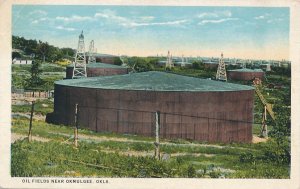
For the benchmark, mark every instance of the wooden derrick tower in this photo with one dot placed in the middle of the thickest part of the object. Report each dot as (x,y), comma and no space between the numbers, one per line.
(169,63)
(92,58)
(221,72)
(80,59)
(267,108)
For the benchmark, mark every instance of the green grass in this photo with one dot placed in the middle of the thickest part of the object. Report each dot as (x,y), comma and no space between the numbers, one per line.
(41,107)
(59,159)
(52,158)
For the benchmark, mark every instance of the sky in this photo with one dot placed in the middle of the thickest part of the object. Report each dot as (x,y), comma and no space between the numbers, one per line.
(238,32)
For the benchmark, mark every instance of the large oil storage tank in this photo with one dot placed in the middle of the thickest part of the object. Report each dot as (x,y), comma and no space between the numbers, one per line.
(189,108)
(106,58)
(245,74)
(99,69)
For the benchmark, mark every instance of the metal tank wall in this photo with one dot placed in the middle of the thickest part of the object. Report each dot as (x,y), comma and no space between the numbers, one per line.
(94,72)
(99,110)
(245,76)
(106,60)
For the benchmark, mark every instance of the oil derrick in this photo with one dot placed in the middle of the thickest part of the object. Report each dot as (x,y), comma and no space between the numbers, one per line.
(92,51)
(182,61)
(80,59)
(169,63)
(221,72)
(267,108)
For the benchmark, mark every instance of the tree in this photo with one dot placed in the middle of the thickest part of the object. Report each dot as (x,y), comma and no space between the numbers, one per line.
(140,64)
(117,61)
(35,81)
(198,65)
(43,49)
(16,55)
(68,53)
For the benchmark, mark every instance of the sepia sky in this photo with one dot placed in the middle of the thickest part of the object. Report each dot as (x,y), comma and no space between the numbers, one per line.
(238,32)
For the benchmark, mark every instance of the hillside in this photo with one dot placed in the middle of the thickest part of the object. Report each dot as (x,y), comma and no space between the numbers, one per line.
(25,48)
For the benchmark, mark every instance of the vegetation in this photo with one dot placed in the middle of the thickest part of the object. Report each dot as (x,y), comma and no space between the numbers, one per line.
(41,107)
(41,50)
(38,76)
(35,80)
(116,155)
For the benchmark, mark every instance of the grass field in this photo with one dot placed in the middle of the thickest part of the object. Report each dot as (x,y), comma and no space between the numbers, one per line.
(114,155)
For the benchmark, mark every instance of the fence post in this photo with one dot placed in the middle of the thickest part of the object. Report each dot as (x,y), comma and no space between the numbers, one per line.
(30,123)
(157,131)
(76,126)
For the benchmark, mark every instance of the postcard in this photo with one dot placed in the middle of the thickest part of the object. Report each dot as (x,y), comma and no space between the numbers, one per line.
(130,94)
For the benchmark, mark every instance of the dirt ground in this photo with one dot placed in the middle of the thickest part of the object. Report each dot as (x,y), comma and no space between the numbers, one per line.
(256,139)
(15,137)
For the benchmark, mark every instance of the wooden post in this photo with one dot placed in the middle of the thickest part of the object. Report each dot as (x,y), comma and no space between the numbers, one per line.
(157,131)
(76,126)
(30,123)
(264,130)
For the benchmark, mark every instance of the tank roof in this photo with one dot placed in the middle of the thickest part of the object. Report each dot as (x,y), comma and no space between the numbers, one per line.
(246,70)
(153,81)
(101,65)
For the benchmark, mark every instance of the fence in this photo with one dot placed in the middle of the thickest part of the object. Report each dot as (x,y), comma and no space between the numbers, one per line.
(172,125)
(34,94)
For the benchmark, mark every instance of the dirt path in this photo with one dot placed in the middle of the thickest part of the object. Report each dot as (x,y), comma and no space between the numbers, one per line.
(16,136)
(149,153)
(38,117)
(257,139)
(85,137)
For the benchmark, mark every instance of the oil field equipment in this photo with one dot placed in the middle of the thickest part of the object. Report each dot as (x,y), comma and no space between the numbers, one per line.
(267,108)
(221,72)
(92,58)
(169,63)
(80,59)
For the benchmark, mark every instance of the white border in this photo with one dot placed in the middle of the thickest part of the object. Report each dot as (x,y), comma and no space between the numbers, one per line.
(5,101)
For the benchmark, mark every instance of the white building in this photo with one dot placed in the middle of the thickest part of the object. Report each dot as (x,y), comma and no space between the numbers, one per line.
(20,61)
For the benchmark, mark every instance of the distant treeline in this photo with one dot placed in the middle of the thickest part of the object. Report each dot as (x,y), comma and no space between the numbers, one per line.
(40,50)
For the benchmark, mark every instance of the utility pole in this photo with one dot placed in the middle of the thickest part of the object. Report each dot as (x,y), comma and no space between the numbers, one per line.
(221,72)
(30,123)
(76,127)
(80,59)
(157,131)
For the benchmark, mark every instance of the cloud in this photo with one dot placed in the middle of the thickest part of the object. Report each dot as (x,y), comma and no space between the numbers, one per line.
(143,21)
(262,17)
(74,18)
(110,15)
(169,23)
(65,28)
(275,20)
(203,22)
(39,12)
(39,20)
(216,14)
(259,17)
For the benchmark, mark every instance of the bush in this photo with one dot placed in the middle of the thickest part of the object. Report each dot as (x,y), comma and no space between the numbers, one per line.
(247,157)
(278,151)
(191,172)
